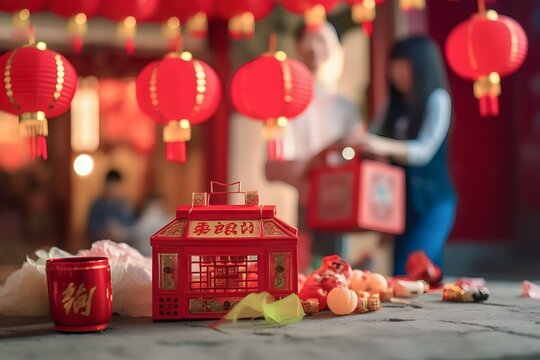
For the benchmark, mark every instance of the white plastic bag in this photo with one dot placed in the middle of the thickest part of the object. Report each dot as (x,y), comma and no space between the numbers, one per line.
(25,290)
(131,277)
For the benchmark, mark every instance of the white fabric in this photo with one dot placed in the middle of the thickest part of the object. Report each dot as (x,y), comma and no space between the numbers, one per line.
(327,119)
(433,131)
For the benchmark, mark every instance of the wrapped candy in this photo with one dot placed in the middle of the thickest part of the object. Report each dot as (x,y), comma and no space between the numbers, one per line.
(420,267)
(386,294)
(336,264)
(530,290)
(454,293)
(374,302)
(362,305)
(311,306)
(407,289)
(314,292)
(334,272)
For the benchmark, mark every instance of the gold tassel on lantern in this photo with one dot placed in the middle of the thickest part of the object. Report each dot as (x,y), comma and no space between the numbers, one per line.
(242,26)
(274,131)
(407,5)
(315,17)
(248,24)
(197,25)
(127,29)
(175,135)
(171,31)
(34,126)
(77,27)
(487,89)
(364,13)
(20,22)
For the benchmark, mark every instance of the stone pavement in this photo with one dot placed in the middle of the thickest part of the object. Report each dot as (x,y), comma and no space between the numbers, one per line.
(505,327)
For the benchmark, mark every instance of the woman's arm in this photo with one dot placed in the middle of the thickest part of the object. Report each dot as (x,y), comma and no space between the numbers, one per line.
(419,151)
(433,131)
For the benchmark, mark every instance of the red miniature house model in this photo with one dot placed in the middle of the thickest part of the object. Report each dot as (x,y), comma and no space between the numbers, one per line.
(211,256)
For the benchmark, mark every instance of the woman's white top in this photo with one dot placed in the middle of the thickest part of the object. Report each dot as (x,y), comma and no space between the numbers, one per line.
(432,132)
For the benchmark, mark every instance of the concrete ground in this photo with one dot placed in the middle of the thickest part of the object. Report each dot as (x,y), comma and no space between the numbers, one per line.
(507,326)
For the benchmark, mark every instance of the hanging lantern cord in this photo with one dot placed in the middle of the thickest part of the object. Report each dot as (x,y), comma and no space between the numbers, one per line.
(179,43)
(31,34)
(481,6)
(272,43)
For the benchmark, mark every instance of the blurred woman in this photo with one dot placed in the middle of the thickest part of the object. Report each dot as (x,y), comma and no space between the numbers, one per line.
(413,132)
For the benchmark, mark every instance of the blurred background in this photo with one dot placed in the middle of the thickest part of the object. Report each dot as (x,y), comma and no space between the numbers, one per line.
(495,161)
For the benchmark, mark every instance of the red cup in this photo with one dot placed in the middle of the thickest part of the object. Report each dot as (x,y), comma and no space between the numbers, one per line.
(80,293)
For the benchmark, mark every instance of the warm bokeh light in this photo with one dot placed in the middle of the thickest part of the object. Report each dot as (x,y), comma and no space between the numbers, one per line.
(348,153)
(85,116)
(83,165)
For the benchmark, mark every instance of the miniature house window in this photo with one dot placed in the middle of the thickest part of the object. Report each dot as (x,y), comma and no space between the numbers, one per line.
(215,273)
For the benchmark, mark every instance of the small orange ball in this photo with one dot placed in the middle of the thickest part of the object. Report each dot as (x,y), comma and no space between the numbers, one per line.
(342,301)
(377,283)
(359,280)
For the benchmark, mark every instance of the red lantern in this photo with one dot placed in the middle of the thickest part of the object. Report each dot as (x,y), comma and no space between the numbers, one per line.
(485,48)
(127,13)
(272,88)
(242,14)
(38,84)
(17,5)
(314,11)
(364,12)
(178,91)
(77,12)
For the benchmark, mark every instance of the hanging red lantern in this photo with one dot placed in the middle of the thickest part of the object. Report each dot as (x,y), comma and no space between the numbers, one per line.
(21,10)
(77,12)
(274,89)
(485,48)
(314,11)
(241,15)
(178,91)
(364,12)
(127,13)
(38,84)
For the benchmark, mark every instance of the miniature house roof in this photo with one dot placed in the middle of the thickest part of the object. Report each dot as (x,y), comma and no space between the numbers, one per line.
(230,222)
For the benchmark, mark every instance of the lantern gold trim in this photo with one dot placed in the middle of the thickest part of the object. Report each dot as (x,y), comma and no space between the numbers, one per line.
(407,5)
(315,16)
(177,130)
(364,11)
(488,86)
(33,124)
(197,24)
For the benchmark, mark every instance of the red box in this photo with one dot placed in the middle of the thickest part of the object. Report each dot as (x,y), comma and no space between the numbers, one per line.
(357,195)
(211,256)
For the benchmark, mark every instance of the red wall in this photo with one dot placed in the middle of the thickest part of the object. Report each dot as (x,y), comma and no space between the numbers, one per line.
(484,151)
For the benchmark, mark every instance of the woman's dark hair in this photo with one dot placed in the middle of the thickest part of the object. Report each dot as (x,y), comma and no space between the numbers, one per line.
(428,73)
